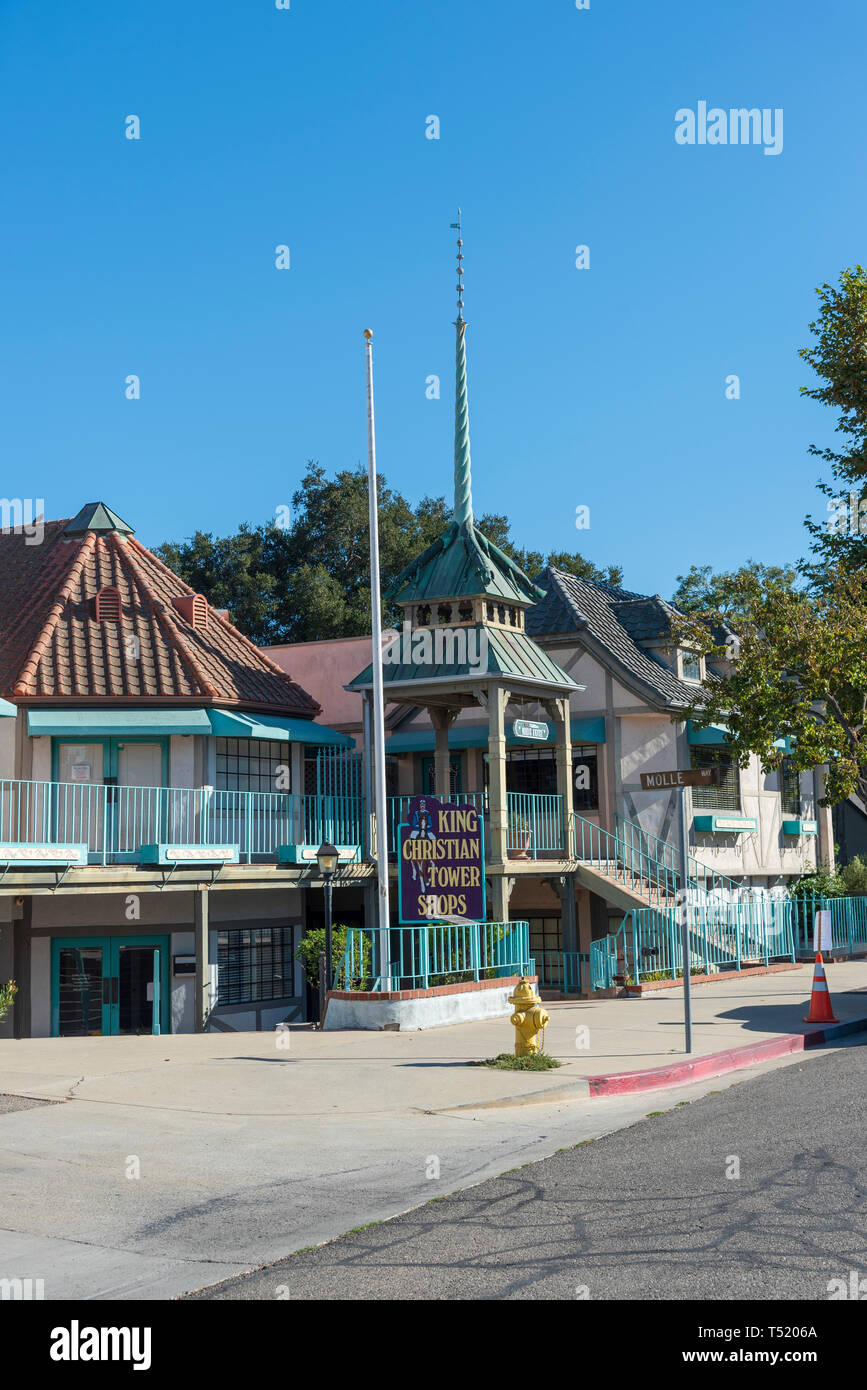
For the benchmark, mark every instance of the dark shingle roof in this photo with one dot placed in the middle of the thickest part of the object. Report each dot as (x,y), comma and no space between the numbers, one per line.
(611,623)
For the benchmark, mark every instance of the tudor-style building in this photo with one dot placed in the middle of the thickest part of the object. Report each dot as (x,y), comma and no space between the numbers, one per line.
(574,845)
(163,789)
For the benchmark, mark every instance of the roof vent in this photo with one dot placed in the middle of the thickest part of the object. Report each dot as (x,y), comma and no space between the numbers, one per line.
(108,604)
(192,607)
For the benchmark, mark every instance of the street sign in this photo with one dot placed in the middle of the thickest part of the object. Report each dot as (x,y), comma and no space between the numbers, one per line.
(687,777)
(530,728)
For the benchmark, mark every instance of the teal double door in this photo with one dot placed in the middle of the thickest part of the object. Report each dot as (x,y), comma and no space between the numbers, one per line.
(109,986)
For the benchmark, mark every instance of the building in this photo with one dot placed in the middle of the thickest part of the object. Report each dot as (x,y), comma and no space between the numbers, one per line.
(163,789)
(542,702)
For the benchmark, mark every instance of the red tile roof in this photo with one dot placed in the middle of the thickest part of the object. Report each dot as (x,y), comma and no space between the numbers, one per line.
(52,647)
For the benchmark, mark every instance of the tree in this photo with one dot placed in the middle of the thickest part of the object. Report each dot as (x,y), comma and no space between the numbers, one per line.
(700,590)
(310,579)
(800,674)
(839,358)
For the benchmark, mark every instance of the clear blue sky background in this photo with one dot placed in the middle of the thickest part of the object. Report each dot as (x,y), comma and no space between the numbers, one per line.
(307,127)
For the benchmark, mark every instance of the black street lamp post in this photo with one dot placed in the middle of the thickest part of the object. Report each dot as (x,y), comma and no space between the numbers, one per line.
(327,857)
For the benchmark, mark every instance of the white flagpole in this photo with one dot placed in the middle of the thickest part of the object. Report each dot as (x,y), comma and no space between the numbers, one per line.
(379,800)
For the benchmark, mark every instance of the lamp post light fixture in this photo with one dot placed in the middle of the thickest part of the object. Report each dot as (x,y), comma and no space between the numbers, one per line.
(327,857)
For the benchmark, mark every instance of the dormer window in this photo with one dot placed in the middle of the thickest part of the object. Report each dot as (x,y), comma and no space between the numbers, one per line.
(194,608)
(108,608)
(691,666)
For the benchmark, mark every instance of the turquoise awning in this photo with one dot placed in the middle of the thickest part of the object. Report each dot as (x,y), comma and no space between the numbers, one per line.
(718,733)
(111,723)
(7,711)
(228,724)
(476,736)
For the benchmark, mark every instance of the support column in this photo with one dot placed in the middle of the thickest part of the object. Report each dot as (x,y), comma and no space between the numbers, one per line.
(21,937)
(558,712)
(442,720)
(201,918)
(369,818)
(501,886)
(497,798)
(825,825)
(564,887)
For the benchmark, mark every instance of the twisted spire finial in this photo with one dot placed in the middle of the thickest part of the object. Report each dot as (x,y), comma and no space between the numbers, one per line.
(463,513)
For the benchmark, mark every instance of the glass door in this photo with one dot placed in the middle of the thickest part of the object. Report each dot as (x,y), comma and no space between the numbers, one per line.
(81,1004)
(110,986)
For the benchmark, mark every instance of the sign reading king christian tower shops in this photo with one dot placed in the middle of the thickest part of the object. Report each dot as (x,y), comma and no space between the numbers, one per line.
(442,862)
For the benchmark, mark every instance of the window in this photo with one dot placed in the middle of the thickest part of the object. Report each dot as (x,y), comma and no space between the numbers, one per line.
(691,665)
(531,770)
(790,789)
(725,797)
(545,935)
(253,765)
(255,964)
(585,777)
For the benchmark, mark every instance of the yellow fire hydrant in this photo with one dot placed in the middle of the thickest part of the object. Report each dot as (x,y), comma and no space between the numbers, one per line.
(529,1019)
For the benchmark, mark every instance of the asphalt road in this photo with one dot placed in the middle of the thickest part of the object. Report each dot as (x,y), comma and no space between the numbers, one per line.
(644,1213)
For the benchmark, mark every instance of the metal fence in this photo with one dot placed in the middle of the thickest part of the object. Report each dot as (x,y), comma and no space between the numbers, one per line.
(437,954)
(114,822)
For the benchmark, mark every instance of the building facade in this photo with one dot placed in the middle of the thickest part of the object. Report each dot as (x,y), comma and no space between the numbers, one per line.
(163,789)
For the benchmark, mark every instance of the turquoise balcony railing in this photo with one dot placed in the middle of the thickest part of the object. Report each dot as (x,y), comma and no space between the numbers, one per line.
(536,824)
(114,822)
(427,956)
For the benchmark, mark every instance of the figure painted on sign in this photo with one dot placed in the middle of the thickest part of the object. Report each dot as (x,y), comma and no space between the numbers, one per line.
(421,821)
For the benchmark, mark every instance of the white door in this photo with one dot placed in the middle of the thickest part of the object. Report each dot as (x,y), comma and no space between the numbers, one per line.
(139,803)
(79,799)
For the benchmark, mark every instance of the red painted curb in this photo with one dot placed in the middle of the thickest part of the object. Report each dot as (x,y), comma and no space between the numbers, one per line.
(694,1068)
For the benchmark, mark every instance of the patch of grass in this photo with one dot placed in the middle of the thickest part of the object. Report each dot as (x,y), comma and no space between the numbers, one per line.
(651,1114)
(505,1061)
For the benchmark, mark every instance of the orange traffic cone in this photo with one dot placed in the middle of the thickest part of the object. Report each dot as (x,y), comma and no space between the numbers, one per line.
(820,999)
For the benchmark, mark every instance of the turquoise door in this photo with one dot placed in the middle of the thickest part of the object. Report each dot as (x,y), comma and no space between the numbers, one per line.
(109,986)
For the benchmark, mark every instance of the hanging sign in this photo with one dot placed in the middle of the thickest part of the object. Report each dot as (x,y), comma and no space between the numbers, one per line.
(442,862)
(530,728)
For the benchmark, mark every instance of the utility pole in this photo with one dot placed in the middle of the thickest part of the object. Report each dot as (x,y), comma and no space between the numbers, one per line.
(379,797)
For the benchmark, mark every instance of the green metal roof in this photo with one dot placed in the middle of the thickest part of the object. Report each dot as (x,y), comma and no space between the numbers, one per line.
(96,516)
(462,562)
(7,711)
(476,736)
(508,654)
(229,724)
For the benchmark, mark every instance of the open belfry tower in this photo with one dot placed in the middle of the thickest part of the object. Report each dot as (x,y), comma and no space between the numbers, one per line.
(465,581)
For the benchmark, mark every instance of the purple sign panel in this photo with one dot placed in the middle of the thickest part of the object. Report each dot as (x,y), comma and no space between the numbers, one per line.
(442,862)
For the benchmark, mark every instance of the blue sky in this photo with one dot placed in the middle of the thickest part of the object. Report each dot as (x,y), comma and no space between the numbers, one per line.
(602,387)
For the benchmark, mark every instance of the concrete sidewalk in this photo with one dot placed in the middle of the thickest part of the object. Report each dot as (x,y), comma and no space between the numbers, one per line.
(171,1163)
(361,1072)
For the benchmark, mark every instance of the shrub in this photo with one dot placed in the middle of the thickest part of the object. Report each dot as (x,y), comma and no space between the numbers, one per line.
(312,946)
(854,875)
(7,997)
